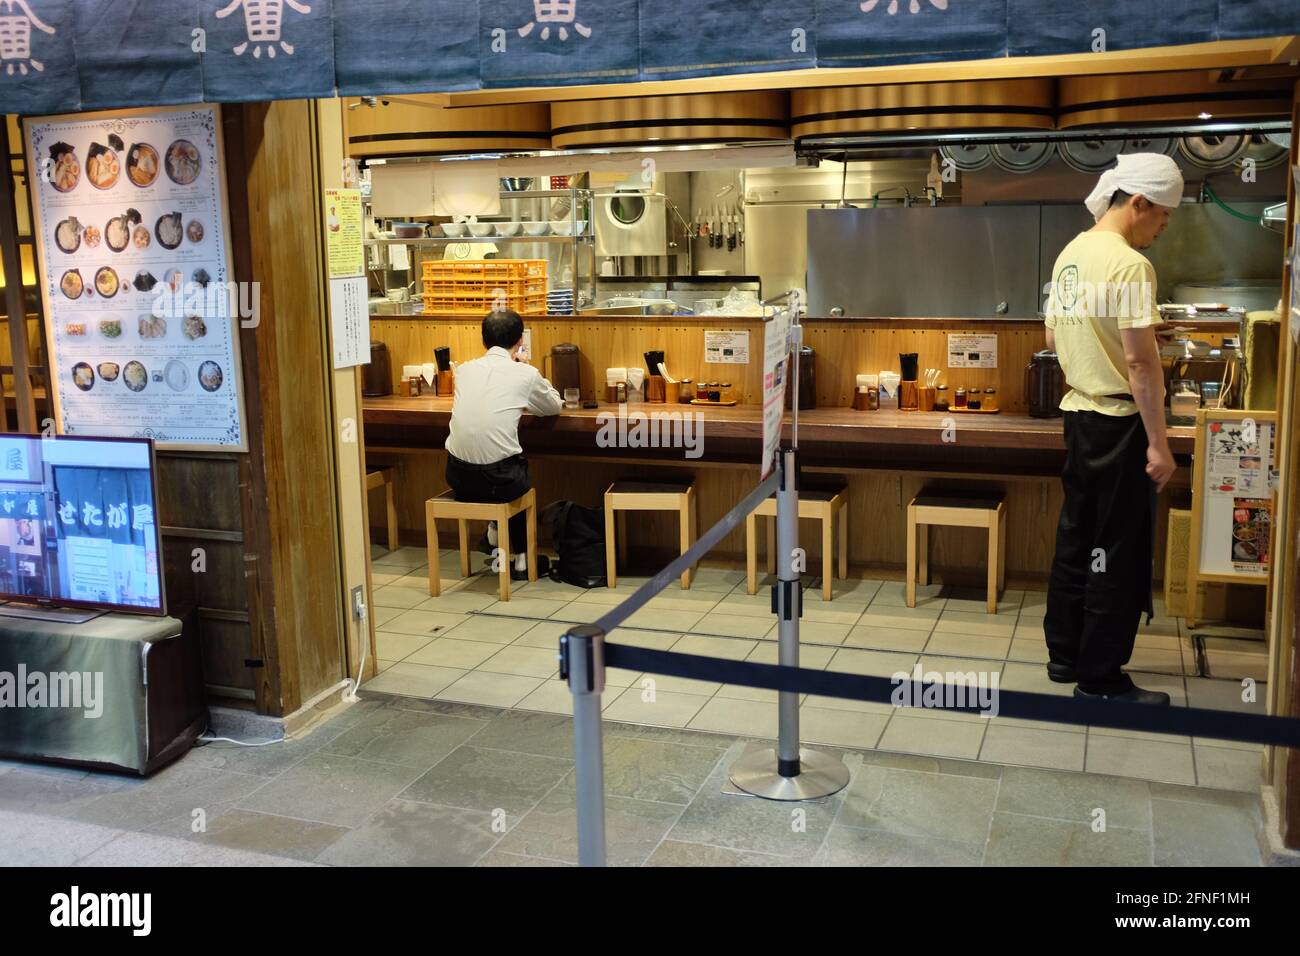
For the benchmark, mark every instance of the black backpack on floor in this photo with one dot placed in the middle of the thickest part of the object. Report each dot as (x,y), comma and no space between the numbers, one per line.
(578,536)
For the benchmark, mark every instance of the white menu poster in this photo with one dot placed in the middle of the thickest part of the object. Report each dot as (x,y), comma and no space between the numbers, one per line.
(776,365)
(140,304)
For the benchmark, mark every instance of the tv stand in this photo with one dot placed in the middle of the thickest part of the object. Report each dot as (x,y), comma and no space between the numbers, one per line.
(49,612)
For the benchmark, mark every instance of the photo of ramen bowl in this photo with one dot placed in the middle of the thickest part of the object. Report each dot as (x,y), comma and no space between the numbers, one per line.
(108,371)
(67,235)
(183,162)
(194,231)
(91,237)
(210,376)
(117,232)
(72,285)
(142,164)
(106,282)
(66,171)
(83,376)
(136,376)
(102,165)
(170,230)
(140,236)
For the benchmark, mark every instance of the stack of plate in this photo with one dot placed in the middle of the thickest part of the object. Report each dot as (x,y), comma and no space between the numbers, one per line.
(559,302)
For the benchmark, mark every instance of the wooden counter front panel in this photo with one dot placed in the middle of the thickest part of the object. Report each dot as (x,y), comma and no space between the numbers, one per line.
(844,350)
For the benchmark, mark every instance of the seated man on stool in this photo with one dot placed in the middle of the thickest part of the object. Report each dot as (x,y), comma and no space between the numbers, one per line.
(484,460)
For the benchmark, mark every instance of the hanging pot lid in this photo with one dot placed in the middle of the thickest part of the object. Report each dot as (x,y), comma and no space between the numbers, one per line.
(968,157)
(1265,152)
(1213,150)
(1279,139)
(1022,157)
(1089,155)
(1165,145)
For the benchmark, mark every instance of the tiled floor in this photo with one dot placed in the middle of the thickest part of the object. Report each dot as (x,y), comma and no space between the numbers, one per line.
(468,647)
(402,781)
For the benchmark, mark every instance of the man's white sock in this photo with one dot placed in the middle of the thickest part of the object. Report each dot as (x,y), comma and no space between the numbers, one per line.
(492,534)
(521,562)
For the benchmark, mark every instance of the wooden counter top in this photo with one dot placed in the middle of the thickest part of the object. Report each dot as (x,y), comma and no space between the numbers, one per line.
(889,439)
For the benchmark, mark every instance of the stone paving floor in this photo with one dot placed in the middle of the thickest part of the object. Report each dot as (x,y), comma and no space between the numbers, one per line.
(403,781)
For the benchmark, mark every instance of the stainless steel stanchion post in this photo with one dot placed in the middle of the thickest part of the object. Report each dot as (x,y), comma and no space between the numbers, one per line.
(789,772)
(582,664)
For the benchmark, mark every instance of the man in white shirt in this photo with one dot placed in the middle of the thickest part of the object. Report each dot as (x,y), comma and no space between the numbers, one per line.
(484,459)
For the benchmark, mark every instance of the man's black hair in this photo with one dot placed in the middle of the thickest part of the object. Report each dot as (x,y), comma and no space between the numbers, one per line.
(503,328)
(1119,198)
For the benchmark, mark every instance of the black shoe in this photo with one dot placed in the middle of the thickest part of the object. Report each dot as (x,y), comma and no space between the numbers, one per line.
(1062,674)
(1134,695)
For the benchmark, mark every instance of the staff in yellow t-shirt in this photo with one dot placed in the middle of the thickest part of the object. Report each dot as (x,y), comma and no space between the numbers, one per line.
(1101,322)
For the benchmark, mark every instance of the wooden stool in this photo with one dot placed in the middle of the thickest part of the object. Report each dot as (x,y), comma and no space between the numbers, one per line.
(446,506)
(383,478)
(824,505)
(926,510)
(624,496)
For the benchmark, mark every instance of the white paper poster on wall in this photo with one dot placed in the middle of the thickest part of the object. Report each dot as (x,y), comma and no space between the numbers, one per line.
(972,351)
(349,321)
(726,348)
(140,303)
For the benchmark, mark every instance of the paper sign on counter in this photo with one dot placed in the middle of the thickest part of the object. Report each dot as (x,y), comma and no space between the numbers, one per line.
(726,348)
(972,351)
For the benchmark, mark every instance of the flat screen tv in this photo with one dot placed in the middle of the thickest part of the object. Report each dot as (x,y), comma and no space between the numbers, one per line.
(77,523)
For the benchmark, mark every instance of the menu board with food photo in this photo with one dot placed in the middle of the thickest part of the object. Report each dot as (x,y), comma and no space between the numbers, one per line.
(1234,475)
(1251,521)
(140,303)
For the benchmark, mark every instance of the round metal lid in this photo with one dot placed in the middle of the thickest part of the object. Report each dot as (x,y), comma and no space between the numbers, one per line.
(1089,155)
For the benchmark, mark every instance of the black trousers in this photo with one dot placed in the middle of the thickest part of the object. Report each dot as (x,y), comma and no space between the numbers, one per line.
(500,481)
(1101,576)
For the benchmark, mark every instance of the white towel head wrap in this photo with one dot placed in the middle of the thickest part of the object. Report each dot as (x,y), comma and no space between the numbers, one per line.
(1153,175)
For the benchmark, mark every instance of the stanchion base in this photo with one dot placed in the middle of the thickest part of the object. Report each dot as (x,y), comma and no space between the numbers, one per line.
(820,775)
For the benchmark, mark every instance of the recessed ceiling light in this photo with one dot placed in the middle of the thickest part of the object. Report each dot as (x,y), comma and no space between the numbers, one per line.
(1205,116)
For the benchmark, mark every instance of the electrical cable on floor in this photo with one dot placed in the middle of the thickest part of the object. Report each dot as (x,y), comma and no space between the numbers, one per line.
(351,695)
(240,743)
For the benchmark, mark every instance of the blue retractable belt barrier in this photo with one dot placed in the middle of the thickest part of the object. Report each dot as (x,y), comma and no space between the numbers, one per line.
(1025,705)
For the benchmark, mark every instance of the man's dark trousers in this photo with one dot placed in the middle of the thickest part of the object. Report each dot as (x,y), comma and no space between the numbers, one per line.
(1101,577)
(496,483)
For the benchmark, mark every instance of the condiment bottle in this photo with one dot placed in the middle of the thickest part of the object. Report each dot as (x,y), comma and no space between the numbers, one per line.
(990,399)
(702,391)
(959,398)
(726,391)
(941,398)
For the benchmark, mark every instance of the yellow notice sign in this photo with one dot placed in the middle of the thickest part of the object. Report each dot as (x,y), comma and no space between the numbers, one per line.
(343,232)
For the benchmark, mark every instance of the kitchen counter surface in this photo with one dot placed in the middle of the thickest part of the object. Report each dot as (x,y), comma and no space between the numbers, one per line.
(1002,443)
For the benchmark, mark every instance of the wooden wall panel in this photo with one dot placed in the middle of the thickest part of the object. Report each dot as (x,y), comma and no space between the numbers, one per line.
(844,349)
